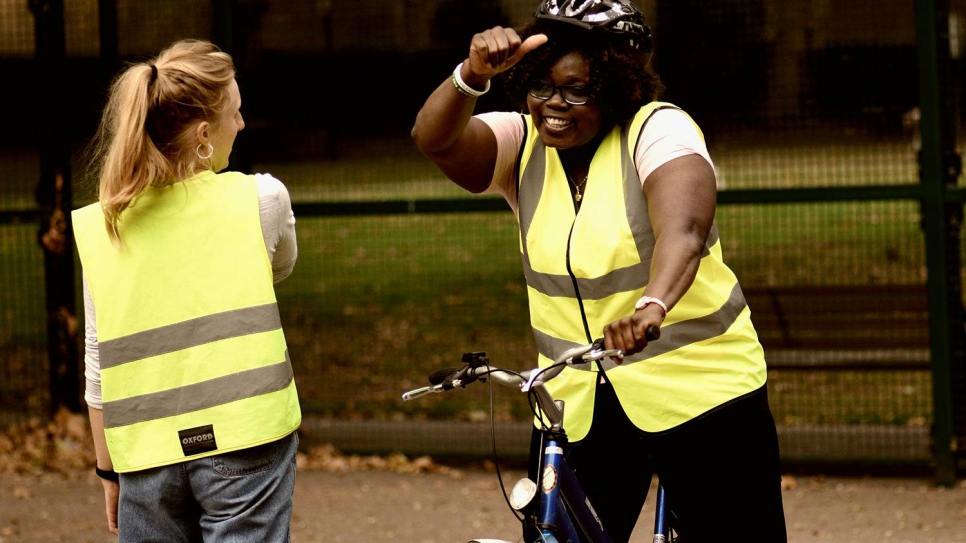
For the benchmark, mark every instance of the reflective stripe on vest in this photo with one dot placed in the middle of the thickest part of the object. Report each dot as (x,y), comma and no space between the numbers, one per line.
(581,277)
(193,356)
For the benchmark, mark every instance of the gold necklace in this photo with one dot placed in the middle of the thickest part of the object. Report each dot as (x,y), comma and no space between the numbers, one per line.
(577,194)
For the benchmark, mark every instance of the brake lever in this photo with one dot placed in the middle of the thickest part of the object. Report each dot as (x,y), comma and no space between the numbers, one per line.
(422,391)
(597,354)
(581,354)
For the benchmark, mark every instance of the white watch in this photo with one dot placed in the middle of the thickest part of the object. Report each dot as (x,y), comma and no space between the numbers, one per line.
(647,300)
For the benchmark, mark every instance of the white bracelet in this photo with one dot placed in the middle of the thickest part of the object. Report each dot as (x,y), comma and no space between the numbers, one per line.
(646,300)
(465,89)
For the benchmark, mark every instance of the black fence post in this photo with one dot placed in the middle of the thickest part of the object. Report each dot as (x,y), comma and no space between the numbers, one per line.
(54,198)
(938,145)
(232,23)
(107,34)
(225,17)
(950,77)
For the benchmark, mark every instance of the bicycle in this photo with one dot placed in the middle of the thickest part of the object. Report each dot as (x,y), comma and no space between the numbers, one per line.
(561,500)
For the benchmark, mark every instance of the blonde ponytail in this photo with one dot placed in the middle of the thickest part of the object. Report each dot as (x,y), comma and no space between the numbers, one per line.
(145,137)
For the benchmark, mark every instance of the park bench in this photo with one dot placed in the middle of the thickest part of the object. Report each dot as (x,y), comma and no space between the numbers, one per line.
(863,327)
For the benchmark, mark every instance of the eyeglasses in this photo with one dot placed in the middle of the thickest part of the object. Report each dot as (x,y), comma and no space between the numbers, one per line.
(574,95)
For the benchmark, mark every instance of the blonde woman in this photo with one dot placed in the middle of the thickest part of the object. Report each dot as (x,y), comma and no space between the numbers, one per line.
(192,400)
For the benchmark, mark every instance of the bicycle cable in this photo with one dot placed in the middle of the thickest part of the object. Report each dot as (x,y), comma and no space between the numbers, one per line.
(538,415)
(496,456)
(535,405)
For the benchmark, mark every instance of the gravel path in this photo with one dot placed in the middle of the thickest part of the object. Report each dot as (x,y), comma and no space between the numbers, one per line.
(383,506)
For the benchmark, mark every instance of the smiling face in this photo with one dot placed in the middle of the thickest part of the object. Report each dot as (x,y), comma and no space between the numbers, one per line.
(562,125)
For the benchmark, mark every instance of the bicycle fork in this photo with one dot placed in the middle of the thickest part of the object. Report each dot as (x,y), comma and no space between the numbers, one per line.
(562,493)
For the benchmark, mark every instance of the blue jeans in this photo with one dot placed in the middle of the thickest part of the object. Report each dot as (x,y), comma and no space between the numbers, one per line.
(237,497)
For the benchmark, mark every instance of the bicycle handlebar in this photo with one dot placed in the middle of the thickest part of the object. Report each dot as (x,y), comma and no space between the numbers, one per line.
(478,368)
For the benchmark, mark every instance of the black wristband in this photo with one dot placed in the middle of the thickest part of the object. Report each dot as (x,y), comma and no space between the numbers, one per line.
(107,474)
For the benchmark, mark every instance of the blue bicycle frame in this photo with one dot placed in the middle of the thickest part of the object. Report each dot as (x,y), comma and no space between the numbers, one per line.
(562,492)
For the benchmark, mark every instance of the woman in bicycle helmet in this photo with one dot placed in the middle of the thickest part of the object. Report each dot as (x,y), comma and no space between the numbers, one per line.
(615,196)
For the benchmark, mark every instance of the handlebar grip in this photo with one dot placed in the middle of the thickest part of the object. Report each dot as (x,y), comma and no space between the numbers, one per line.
(448,378)
(439,376)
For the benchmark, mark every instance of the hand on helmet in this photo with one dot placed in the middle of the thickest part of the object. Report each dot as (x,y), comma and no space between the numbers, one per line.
(497,50)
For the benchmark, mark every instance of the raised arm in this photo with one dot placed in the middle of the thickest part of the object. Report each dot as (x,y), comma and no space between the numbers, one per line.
(462,147)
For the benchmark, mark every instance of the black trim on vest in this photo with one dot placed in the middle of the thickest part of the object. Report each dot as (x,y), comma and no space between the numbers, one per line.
(636,208)
(641,133)
(519,170)
(713,233)
(573,278)
(629,172)
(758,396)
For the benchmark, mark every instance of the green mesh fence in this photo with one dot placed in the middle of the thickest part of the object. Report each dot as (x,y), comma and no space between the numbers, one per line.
(16,30)
(794,98)
(22,340)
(23,350)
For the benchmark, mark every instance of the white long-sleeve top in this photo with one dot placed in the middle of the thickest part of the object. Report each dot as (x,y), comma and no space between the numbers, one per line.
(278,230)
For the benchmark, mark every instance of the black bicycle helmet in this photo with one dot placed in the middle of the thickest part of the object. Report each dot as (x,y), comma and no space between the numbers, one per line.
(616,16)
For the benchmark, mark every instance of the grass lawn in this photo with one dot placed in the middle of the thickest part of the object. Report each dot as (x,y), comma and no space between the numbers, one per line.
(378,302)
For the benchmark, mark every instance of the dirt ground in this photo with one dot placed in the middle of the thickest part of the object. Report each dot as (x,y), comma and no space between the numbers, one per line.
(48,494)
(451,506)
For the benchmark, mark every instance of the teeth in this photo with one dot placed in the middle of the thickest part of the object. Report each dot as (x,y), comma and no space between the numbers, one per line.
(553,122)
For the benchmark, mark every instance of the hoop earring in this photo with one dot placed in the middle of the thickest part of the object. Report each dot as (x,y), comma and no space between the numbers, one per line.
(211,151)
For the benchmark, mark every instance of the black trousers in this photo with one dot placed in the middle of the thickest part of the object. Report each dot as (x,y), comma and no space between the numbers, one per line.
(720,471)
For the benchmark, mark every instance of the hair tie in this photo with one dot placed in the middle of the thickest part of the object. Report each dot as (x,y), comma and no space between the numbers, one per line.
(154,72)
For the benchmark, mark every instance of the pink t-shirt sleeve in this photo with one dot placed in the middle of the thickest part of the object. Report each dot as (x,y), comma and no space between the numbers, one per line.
(508,129)
(668,134)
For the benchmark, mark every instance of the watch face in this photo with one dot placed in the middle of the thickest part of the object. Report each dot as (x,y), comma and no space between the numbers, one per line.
(549,481)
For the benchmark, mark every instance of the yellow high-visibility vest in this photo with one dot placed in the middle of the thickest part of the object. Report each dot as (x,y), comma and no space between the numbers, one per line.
(585,270)
(193,357)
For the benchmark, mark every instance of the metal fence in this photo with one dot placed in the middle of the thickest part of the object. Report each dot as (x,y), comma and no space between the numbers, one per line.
(833,126)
